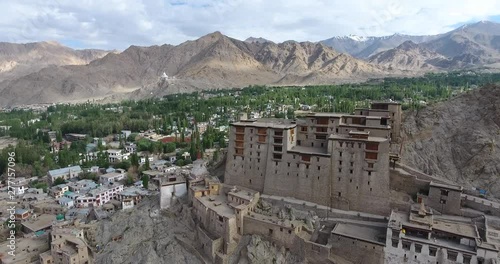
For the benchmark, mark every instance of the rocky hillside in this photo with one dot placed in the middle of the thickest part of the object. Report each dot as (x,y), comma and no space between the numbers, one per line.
(17,60)
(458,139)
(147,236)
(153,236)
(212,61)
(410,56)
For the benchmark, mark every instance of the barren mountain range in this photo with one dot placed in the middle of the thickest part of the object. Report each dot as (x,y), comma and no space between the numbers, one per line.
(22,59)
(48,72)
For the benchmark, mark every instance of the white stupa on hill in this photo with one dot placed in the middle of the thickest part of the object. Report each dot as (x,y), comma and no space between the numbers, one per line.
(164,76)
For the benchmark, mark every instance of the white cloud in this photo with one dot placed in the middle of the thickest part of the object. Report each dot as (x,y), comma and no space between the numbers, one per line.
(120,23)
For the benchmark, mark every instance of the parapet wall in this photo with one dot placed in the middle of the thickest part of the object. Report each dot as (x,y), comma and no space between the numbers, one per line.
(407,183)
(480,204)
(357,251)
(303,208)
(208,245)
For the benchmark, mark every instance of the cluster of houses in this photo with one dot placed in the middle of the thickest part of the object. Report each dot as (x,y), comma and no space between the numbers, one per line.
(67,213)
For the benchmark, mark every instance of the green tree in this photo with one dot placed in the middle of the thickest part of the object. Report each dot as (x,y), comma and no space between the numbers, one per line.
(169,147)
(39,185)
(90,176)
(180,162)
(131,137)
(146,164)
(59,181)
(125,164)
(130,179)
(134,160)
(145,181)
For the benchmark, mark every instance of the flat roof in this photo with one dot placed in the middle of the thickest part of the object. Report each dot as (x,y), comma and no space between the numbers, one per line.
(267,123)
(316,114)
(153,172)
(346,137)
(133,191)
(218,204)
(41,222)
(370,234)
(462,229)
(446,186)
(244,194)
(274,220)
(61,171)
(199,188)
(112,174)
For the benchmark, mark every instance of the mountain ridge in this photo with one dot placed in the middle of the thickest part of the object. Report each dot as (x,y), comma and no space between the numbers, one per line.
(212,61)
(218,61)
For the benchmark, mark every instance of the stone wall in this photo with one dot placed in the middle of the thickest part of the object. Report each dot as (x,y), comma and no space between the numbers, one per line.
(207,244)
(316,253)
(303,208)
(273,232)
(407,183)
(356,251)
(482,205)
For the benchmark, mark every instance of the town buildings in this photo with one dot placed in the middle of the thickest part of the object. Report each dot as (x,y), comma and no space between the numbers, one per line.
(67,246)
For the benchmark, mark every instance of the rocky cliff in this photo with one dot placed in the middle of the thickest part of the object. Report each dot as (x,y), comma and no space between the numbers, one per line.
(458,139)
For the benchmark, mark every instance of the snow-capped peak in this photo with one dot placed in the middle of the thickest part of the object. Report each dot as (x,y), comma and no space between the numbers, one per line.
(353,37)
(357,38)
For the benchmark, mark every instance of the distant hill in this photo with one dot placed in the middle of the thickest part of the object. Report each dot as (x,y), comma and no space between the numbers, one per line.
(364,47)
(21,59)
(212,61)
(256,40)
(48,72)
(410,56)
(469,45)
(475,44)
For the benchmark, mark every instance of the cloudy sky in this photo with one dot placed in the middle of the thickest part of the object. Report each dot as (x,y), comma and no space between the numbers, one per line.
(117,24)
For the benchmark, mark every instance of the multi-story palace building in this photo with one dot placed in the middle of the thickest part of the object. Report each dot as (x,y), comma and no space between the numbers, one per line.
(332,159)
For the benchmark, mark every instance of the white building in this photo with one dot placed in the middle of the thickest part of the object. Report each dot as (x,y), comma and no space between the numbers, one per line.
(142,159)
(111,177)
(18,185)
(131,196)
(66,202)
(131,147)
(116,155)
(94,169)
(58,191)
(126,134)
(100,195)
(171,188)
(64,173)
